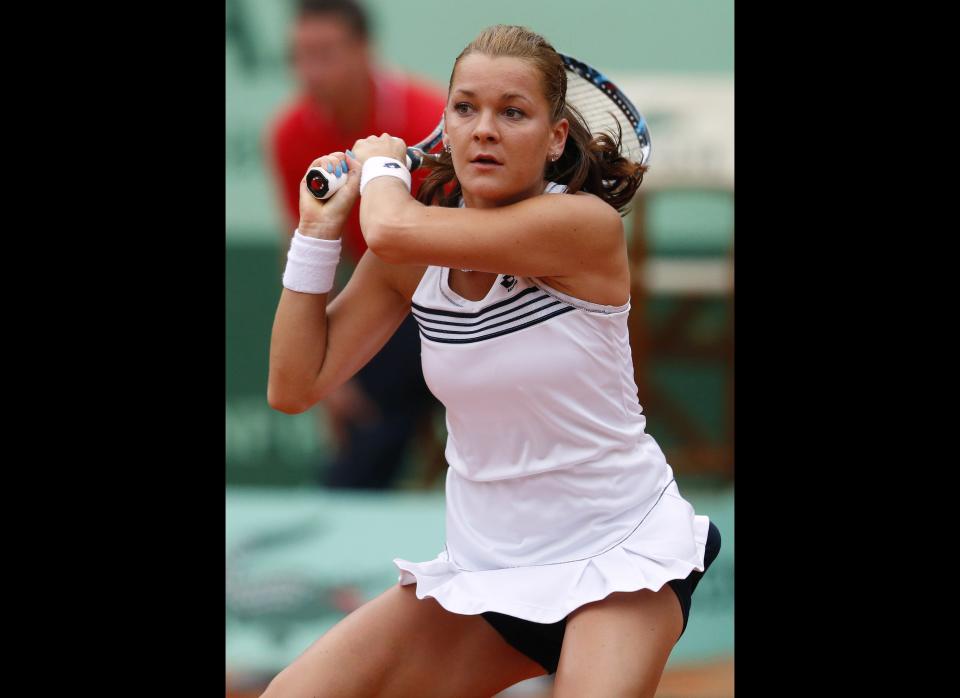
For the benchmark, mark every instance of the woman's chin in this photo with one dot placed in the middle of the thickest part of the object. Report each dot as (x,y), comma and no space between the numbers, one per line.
(488,188)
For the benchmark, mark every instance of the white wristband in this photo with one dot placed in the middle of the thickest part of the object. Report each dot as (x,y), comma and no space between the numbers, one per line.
(311,263)
(380,166)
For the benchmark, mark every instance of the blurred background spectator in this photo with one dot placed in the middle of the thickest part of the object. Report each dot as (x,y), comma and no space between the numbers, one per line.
(343,95)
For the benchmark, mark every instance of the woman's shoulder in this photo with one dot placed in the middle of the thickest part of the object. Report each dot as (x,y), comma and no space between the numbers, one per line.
(580,199)
(584,210)
(611,286)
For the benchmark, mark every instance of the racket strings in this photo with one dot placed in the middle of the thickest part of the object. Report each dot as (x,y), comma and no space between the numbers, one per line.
(602,114)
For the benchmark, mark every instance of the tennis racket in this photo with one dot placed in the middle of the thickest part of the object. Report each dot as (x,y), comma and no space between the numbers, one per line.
(604,108)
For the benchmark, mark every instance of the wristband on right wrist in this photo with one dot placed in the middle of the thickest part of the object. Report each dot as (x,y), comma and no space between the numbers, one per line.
(380,166)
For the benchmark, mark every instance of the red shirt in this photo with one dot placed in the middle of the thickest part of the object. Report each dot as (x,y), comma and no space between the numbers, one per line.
(304,131)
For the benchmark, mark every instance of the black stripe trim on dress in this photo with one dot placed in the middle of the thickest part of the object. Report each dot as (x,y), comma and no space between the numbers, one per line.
(499,304)
(508,330)
(495,324)
(480,322)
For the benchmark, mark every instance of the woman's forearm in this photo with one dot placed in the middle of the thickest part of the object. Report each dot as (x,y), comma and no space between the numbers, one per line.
(297,350)
(299,340)
(387,211)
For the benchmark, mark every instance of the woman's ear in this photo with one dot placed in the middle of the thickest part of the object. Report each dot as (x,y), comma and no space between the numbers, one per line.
(560,131)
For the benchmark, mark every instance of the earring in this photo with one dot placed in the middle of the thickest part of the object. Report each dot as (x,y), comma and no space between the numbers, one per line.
(446,148)
(554,157)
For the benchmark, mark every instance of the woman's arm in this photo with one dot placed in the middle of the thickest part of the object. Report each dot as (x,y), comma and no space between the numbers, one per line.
(315,348)
(547,235)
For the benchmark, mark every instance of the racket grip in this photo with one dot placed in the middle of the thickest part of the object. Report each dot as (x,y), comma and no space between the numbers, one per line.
(323,184)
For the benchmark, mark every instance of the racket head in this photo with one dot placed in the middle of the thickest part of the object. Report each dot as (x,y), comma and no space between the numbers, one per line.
(606,109)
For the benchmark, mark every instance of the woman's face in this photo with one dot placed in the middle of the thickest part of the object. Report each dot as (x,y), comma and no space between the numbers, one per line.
(499,129)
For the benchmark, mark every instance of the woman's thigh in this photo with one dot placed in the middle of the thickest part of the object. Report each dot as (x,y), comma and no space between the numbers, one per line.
(399,645)
(619,646)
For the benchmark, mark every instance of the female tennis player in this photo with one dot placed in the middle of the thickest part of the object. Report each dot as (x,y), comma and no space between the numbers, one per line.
(569,548)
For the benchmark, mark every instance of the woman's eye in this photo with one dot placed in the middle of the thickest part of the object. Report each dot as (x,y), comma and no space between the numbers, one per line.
(462,108)
(513,113)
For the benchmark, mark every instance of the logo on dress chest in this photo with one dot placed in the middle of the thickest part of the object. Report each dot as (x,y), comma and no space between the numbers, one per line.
(508,282)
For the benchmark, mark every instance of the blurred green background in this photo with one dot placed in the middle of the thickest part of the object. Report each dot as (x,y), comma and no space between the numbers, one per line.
(675,60)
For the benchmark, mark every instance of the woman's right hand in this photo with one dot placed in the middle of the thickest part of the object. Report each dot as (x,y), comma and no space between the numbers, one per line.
(325,219)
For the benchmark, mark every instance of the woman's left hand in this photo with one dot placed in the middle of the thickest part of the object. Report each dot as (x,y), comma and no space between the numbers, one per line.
(383,145)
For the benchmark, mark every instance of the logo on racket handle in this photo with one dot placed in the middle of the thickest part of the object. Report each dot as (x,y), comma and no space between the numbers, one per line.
(323,184)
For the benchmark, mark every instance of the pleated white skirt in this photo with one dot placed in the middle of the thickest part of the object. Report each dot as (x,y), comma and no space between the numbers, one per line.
(592,552)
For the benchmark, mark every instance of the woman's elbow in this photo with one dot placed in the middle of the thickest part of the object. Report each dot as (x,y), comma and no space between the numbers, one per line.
(384,235)
(379,240)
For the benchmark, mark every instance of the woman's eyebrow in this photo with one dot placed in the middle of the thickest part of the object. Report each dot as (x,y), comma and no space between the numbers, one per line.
(505,96)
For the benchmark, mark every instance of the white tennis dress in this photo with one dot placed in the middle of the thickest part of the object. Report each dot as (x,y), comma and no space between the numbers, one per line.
(555,495)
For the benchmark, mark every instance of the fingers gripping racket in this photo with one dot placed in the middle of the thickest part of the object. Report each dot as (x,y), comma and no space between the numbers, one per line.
(323,184)
(604,108)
